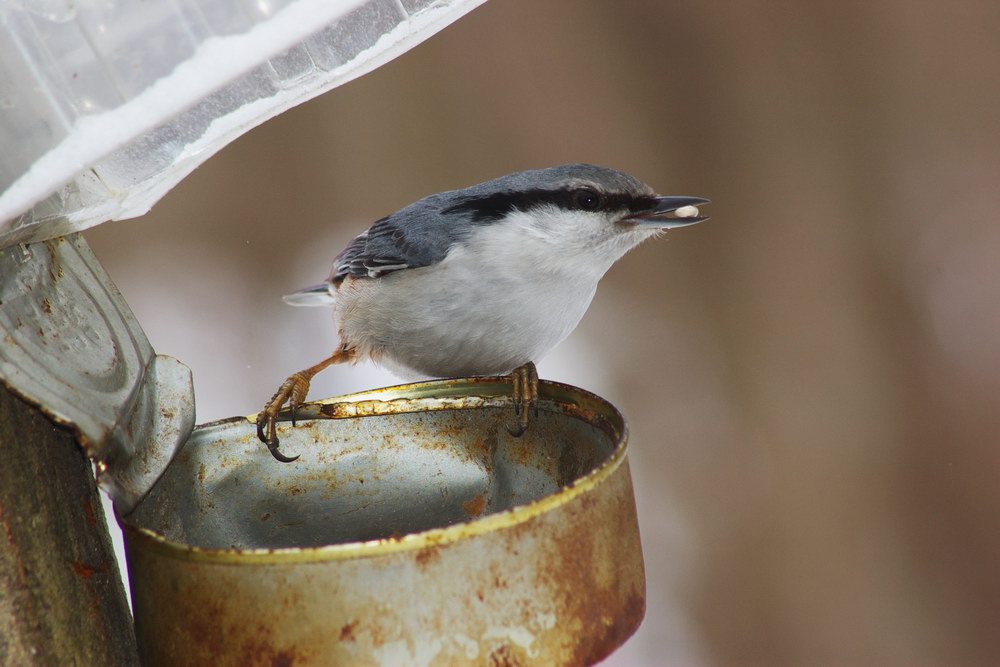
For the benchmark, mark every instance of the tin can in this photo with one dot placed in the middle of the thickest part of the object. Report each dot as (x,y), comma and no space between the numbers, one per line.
(413,530)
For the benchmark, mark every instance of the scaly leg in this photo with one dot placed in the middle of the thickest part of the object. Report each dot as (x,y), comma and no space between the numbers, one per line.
(525,381)
(293,391)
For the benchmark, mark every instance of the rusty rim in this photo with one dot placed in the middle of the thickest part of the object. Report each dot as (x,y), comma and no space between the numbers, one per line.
(453,394)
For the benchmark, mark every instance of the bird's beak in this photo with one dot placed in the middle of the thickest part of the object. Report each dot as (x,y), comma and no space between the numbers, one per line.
(670,212)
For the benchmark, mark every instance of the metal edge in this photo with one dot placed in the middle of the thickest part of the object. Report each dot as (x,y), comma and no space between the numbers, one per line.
(71,255)
(456,394)
(563,395)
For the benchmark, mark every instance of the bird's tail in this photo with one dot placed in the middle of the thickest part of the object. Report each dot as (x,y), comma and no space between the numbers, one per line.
(315,295)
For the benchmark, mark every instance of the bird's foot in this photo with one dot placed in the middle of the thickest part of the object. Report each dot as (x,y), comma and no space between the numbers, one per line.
(525,381)
(292,391)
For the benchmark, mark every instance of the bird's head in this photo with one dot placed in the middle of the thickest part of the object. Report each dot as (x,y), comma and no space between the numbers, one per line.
(570,214)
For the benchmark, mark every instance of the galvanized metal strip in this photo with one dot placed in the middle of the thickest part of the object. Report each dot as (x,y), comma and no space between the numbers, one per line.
(71,346)
(456,394)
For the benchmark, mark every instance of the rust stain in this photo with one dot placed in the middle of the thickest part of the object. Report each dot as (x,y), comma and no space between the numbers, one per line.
(522,453)
(201,473)
(347,632)
(87,571)
(55,268)
(505,656)
(8,531)
(265,516)
(447,432)
(437,445)
(474,506)
(484,448)
(334,410)
(427,555)
(46,305)
(214,632)
(82,570)
(614,604)
(261,652)
(202,624)
(611,632)
(88,512)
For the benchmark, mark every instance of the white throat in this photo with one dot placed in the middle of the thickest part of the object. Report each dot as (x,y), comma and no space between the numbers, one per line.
(575,244)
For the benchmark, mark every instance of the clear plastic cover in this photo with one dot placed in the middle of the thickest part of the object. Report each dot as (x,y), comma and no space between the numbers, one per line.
(106,104)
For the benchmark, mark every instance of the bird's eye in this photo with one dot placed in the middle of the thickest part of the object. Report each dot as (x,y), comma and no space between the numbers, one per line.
(587,199)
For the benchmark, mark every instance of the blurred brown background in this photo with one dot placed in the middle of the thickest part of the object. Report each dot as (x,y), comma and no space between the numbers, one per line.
(811,377)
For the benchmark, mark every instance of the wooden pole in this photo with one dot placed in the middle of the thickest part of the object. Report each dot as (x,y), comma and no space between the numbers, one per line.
(61,599)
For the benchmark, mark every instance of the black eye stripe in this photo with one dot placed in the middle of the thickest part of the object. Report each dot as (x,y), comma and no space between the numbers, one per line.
(587,199)
(491,208)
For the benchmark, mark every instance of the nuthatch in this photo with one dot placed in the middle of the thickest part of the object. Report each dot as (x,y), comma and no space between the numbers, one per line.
(481,281)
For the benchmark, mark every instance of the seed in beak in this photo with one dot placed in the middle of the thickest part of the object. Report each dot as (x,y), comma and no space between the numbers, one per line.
(686,212)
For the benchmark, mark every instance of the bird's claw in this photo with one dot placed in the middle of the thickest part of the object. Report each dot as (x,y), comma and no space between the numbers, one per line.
(292,391)
(278,456)
(525,383)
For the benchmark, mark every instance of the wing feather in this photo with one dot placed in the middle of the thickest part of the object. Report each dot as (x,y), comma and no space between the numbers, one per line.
(416,236)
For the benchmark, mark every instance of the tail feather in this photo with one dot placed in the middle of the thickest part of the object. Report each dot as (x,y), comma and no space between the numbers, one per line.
(315,295)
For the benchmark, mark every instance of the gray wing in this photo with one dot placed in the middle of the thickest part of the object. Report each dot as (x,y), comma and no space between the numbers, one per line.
(422,233)
(415,236)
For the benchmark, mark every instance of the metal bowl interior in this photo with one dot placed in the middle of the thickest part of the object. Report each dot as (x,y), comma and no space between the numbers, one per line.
(391,469)
(413,530)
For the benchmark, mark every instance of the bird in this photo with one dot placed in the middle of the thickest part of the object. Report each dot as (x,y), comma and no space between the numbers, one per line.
(481,281)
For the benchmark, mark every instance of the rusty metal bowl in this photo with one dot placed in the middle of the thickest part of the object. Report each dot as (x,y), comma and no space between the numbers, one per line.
(413,530)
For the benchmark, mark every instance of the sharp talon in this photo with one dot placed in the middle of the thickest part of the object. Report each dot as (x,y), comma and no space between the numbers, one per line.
(278,455)
(267,433)
(293,391)
(517,430)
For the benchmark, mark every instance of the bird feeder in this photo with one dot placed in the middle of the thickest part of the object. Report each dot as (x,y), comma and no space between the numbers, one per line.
(414,529)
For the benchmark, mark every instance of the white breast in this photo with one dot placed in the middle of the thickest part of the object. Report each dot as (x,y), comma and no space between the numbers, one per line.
(501,301)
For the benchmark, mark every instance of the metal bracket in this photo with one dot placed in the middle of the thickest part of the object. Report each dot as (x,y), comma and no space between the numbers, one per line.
(71,346)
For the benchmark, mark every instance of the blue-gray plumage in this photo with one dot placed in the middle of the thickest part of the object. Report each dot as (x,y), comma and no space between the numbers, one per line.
(422,233)
(483,280)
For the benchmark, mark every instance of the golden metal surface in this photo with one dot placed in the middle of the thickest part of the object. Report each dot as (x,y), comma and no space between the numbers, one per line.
(524,550)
